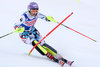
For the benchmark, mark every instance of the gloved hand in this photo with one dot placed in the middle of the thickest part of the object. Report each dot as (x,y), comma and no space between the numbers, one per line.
(20,30)
(50,18)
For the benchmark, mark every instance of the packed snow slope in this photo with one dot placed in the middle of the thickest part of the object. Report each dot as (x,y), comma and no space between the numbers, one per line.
(72,46)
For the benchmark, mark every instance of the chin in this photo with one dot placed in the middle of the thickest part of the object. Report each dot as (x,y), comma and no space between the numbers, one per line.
(33,14)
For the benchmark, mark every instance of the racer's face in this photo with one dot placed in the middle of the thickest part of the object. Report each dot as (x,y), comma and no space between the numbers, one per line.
(33,12)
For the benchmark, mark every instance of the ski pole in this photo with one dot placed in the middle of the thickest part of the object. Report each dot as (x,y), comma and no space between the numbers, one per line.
(53,20)
(19,30)
(50,33)
(7,34)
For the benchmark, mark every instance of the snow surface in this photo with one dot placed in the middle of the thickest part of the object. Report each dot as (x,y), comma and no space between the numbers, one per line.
(72,46)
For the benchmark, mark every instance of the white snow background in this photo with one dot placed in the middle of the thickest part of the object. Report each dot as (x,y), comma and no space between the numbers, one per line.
(72,46)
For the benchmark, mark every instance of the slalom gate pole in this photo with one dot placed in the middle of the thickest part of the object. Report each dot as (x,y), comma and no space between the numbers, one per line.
(50,33)
(77,32)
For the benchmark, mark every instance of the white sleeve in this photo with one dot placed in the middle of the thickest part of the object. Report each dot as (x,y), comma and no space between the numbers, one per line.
(41,16)
(21,20)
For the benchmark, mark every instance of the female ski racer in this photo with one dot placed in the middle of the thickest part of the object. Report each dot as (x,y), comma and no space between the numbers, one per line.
(30,35)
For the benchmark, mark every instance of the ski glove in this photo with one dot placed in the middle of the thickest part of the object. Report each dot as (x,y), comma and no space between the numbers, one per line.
(50,18)
(20,30)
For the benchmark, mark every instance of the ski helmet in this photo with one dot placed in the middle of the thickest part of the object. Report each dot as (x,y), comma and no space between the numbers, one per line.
(33,5)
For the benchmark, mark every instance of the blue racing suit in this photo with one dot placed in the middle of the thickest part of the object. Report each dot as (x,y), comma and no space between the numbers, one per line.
(31,33)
